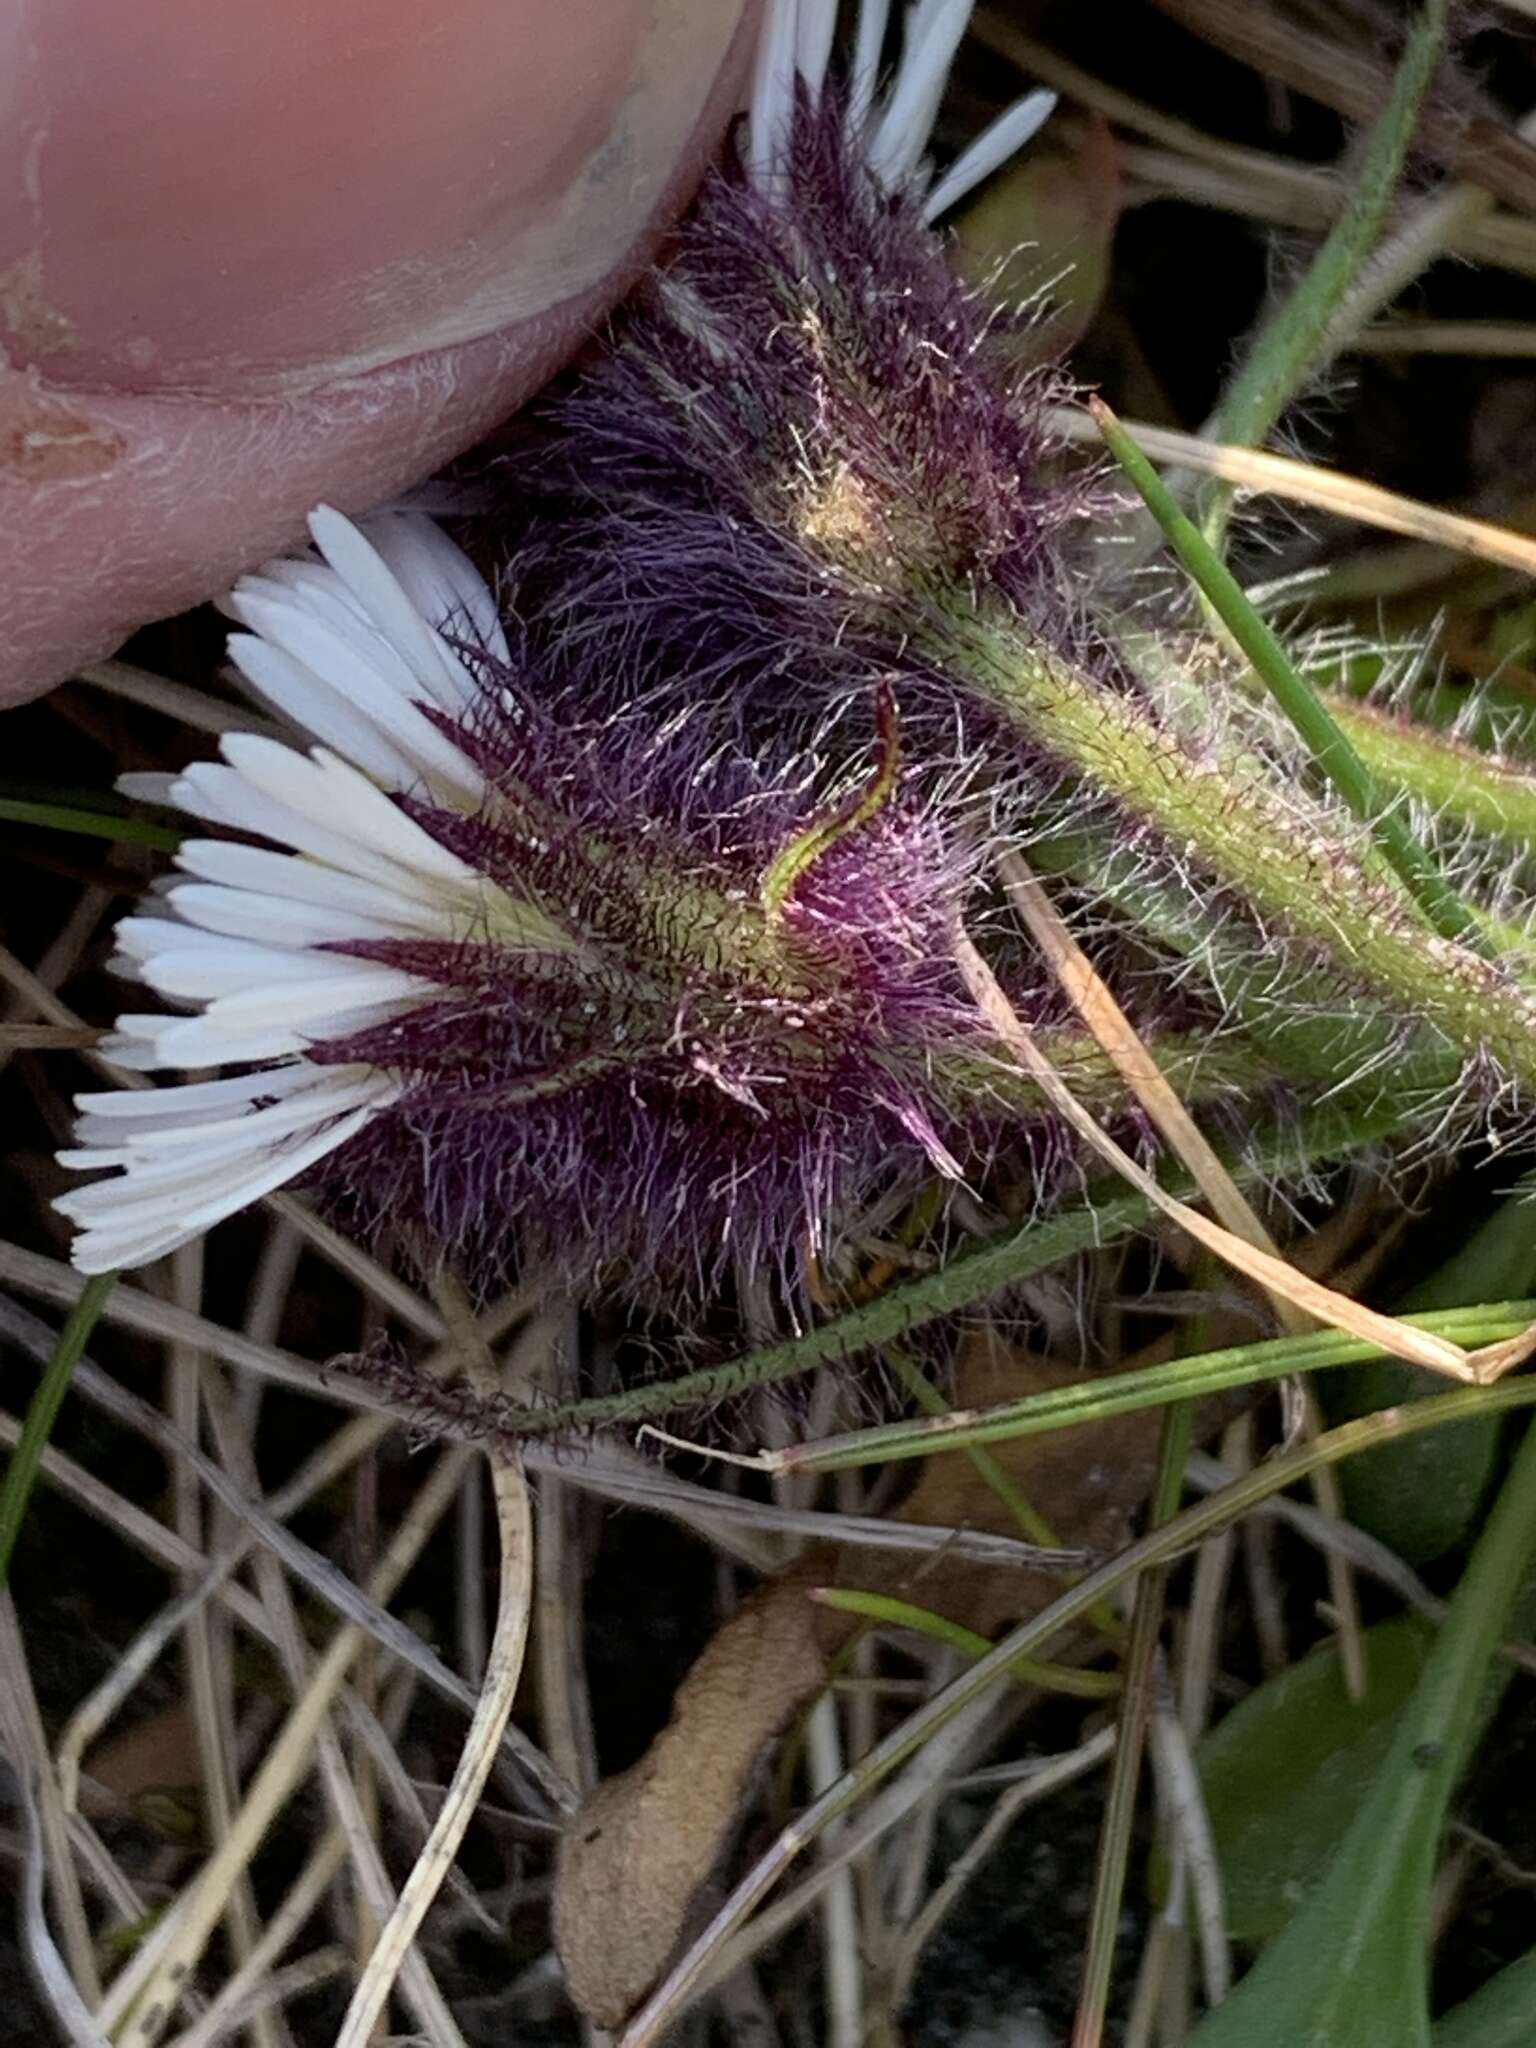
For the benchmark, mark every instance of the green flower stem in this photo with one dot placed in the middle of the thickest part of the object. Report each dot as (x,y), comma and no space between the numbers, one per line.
(1310,1025)
(1335,757)
(1124,1393)
(21,1472)
(1194,1067)
(886,1612)
(1276,852)
(1111,1212)
(1301,334)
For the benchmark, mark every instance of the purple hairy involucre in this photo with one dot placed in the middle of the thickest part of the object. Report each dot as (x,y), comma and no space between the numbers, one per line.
(710,1072)
(806,430)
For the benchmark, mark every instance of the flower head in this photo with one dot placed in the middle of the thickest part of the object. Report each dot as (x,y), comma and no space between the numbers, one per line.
(520,980)
(810,461)
(808,426)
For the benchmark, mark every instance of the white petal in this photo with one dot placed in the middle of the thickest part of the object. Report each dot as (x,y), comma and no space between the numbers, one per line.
(933,34)
(138,937)
(141,1106)
(295,691)
(404,621)
(279,921)
(140,1232)
(147,786)
(201,974)
(990,150)
(175,1150)
(814,31)
(222,795)
(289,877)
(335,796)
(315,1002)
(191,1098)
(773,90)
(215,1039)
(132,1051)
(369,678)
(440,580)
(868,43)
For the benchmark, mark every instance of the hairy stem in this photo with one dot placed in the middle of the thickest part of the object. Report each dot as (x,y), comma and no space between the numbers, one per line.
(1280,854)
(1336,759)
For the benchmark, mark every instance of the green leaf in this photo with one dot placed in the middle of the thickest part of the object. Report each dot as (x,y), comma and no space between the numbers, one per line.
(1421,1496)
(1301,1732)
(1501,2015)
(1350,1969)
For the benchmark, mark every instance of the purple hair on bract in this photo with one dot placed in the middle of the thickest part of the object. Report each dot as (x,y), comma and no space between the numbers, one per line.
(757,1025)
(810,462)
(806,429)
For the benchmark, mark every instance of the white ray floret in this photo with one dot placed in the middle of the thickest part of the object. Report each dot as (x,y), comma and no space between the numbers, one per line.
(361,646)
(793,53)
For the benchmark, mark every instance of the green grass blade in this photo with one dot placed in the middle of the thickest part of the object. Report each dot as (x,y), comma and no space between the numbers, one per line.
(1336,759)
(1123,1393)
(885,1611)
(21,1472)
(126,830)
(1300,336)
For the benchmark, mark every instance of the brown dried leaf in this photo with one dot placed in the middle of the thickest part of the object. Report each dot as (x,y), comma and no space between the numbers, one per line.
(149,1770)
(1087,1482)
(637,1859)
(638,1855)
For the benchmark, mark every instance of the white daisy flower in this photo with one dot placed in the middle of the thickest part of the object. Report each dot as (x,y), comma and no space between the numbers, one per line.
(793,52)
(352,645)
(355,646)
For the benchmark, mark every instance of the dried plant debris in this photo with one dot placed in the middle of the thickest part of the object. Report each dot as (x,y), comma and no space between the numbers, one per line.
(787,871)
(636,1860)
(639,1861)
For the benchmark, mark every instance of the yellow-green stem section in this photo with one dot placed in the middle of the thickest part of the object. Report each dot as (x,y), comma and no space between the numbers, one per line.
(1283,857)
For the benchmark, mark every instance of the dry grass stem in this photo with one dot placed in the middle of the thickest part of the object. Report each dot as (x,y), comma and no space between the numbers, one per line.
(1325,490)
(194,709)
(1515,339)
(283,1926)
(1121,1043)
(1184,1802)
(509,1637)
(26,1746)
(1029,1791)
(144,1996)
(1272,1274)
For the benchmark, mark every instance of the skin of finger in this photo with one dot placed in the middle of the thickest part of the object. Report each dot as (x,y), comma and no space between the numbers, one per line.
(115,509)
(236,200)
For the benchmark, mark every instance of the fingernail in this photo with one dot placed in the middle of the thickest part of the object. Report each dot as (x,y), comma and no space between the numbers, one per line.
(260,199)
